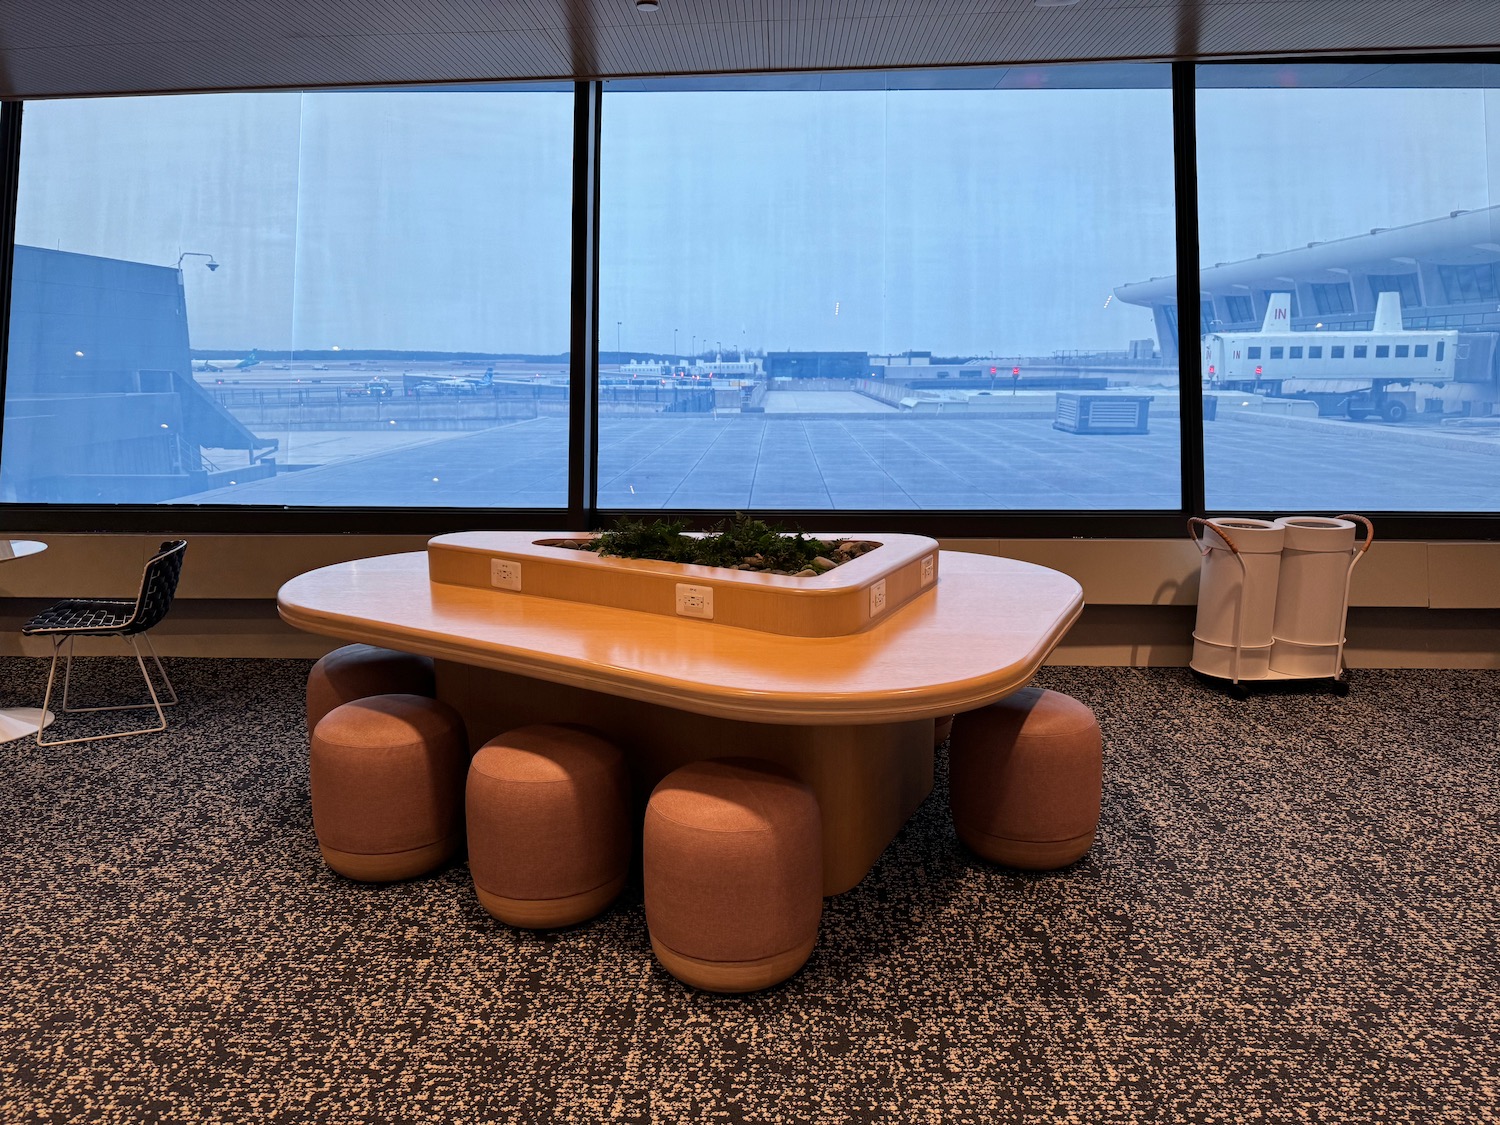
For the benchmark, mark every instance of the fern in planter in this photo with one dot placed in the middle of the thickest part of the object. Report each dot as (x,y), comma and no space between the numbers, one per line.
(739,543)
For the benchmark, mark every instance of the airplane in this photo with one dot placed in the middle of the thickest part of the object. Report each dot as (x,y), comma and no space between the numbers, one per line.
(459,385)
(1343,372)
(249,361)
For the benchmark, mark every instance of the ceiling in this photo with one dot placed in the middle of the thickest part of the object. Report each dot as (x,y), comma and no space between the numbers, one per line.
(51,48)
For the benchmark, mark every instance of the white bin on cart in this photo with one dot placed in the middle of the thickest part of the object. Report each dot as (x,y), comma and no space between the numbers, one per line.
(1318,557)
(1236,596)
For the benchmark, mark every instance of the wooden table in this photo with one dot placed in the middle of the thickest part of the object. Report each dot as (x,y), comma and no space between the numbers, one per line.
(852,715)
(18,722)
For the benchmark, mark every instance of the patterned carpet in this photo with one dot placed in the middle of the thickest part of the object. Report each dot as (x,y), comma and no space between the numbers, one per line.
(1290,916)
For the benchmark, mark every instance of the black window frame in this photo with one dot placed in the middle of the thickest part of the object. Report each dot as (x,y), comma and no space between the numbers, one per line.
(581,513)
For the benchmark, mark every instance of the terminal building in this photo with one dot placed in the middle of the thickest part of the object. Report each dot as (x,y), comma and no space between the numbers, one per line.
(101,404)
(1446,270)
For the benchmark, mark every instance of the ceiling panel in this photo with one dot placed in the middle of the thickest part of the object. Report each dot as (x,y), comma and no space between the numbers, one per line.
(52,48)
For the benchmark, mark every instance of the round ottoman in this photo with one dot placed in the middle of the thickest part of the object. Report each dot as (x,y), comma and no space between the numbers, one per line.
(387,786)
(355,671)
(549,823)
(1025,779)
(733,862)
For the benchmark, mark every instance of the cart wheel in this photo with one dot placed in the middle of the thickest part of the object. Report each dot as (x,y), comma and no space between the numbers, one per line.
(1237,691)
(1341,688)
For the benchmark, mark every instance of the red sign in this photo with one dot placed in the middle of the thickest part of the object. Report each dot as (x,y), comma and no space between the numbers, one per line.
(1015,372)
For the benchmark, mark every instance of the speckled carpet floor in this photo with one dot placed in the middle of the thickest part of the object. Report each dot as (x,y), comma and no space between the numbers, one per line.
(1290,915)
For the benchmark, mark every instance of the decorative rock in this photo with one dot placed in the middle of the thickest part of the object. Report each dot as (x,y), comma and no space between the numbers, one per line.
(732,856)
(549,822)
(356,671)
(1025,779)
(387,786)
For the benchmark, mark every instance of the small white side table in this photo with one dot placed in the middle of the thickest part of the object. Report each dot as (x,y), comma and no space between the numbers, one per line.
(18,722)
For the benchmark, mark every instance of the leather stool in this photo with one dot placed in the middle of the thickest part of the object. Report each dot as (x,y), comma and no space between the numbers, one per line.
(356,671)
(549,822)
(1025,779)
(733,864)
(387,786)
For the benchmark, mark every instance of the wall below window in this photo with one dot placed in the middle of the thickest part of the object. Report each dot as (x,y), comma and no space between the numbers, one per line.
(1413,604)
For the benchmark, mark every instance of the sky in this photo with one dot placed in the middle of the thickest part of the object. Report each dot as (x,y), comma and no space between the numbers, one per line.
(964,222)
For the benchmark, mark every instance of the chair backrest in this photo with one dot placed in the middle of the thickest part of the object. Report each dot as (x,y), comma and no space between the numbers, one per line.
(158,587)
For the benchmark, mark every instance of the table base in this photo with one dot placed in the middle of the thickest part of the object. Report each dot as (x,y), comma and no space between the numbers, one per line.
(18,722)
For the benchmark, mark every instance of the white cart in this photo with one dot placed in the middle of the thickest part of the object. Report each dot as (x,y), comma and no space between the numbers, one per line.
(1273,598)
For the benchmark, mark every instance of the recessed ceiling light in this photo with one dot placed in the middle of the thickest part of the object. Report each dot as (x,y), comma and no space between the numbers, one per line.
(650,5)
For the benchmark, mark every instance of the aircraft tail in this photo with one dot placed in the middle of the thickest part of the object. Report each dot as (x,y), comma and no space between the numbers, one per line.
(1278,313)
(1388,312)
(488,377)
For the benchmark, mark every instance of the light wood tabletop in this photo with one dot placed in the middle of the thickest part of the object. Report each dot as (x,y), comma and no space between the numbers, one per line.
(975,638)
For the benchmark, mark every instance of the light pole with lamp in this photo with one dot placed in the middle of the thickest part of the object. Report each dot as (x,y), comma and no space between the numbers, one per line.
(617,339)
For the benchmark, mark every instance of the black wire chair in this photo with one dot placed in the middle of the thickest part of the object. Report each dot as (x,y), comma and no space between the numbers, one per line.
(68,620)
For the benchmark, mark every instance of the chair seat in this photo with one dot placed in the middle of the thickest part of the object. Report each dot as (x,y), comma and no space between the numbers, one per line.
(83,616)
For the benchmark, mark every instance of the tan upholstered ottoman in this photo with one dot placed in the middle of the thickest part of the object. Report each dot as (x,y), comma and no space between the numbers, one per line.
(1025,779)
(549,822)
(387,786)
(356,671)
(733,859)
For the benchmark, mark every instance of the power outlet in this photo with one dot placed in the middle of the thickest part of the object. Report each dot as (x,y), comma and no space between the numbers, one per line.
(929,570)
(505,574)
(695,601)
(877,598)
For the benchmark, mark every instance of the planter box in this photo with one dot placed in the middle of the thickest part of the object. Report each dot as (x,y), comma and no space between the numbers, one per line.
(842,601)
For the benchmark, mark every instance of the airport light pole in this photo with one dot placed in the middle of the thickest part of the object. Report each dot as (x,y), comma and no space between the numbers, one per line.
(674,345)
(617,339)
(211,263)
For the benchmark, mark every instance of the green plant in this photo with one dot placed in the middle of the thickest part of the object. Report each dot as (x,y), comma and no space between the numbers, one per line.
(739,542)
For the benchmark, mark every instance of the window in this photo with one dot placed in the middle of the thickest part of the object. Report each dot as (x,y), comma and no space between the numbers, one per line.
(1440,350)
(316,300)
(1419,351)
(1252,352)
(1276,353)
(1467,284)
(845,227)
(1401,199)
(1334,297)
(1315,351)
(1403,283)
(1239,310)
(1294,352)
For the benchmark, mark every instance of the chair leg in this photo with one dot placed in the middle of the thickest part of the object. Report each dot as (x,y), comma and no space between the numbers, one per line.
(156,704)
(166,679)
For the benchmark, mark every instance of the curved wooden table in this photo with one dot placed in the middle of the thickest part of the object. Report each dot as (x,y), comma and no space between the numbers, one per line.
(852,716)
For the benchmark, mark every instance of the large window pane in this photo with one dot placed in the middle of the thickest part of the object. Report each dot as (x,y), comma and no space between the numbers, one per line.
(1374,184)
(887,292)
(325,299)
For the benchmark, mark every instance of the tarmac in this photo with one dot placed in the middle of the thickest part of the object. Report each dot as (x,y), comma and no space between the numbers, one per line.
(903,462)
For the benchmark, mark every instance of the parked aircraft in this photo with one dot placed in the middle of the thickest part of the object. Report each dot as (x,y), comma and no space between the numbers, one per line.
(458,385)
(249,361)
